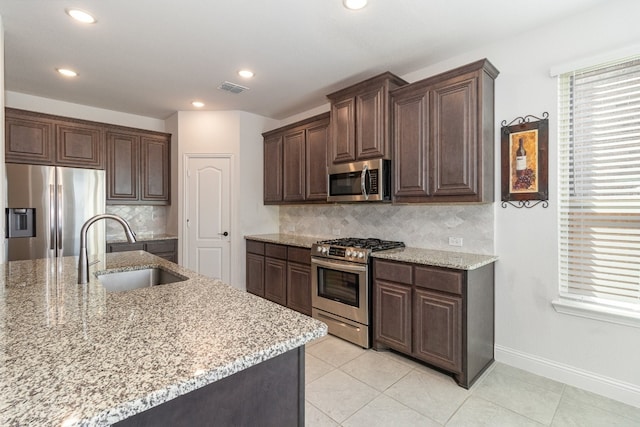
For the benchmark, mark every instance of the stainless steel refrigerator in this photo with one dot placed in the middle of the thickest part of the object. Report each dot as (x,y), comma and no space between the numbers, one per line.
(46,207)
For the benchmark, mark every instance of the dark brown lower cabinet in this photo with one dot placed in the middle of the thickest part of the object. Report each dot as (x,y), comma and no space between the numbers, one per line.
(298,287)
(442,316)
(166,248)
(275,280)
(280,273)
(393,315)
(437,320)
(255,274)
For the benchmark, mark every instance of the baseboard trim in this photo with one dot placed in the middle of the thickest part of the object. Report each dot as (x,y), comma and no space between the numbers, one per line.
(614,389)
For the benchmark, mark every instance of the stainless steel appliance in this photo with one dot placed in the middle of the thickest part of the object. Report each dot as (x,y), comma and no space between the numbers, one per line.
(341,285)
(366,181)
(46,207)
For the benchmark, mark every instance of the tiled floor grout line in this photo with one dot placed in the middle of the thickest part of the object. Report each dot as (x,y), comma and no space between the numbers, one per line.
(389,372)
(564,387)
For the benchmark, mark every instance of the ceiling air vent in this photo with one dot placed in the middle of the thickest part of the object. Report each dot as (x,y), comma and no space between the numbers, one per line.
(232,87)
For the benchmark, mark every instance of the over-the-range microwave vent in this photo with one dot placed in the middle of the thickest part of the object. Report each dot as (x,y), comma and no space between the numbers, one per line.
(232,87)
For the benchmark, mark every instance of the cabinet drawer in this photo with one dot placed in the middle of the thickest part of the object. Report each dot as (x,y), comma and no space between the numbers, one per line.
(255,247)
(299,255)
(161,246)
(275,251)
(439,279)
(393,271)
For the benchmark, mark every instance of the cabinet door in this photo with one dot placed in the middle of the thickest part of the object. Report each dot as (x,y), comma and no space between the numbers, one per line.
(316,158)
(28,139)
(122,167)
(392,315)
(454,142)
(275,280)
(343,131)
(371,125)
(255,274)
(154,162)
(294,166)
(125,247)
(437,329)
(79,145)
(273,169)
(166,249)
(299,287)
(411,145)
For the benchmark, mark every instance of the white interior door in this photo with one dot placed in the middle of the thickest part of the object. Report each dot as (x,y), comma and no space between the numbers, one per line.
(208,214)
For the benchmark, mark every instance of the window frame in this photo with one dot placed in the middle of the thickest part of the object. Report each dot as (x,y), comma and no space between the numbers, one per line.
(592,307)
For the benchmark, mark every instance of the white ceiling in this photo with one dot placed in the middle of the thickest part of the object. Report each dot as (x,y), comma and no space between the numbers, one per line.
(153,57)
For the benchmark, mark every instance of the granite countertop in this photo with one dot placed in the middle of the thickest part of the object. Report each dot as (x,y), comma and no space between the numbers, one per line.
(436,258)
(143,237)
(288,239)
(76,355)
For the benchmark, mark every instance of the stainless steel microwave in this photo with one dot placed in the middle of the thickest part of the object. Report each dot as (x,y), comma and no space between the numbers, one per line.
(365,181)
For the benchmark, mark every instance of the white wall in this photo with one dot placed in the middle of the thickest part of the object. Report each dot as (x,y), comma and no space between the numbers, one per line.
(238,134)
(83,112)
(171,126)
(3,187)
(595,355)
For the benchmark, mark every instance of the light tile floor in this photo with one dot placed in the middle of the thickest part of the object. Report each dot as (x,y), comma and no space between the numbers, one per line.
(352,387)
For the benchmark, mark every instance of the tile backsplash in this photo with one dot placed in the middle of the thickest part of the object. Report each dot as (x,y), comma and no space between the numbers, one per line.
(421,226)
(143,220)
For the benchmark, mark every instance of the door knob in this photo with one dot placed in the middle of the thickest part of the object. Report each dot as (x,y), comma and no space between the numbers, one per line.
(225,234)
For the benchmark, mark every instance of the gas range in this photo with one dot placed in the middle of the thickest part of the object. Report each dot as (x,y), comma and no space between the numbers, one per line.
(341,285)
(352,249)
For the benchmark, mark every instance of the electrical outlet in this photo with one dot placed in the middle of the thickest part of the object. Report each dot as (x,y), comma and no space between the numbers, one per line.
(455,241)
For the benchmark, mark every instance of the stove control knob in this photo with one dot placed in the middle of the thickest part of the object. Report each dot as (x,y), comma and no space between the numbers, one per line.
(325,250)
(348,253)
(319,249)
(361,255)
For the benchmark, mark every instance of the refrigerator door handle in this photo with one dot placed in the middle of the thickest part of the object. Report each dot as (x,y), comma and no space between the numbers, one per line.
(52,217)
(60,218)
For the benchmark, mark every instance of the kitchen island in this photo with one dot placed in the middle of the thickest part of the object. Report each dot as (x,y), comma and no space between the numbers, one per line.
(78,355)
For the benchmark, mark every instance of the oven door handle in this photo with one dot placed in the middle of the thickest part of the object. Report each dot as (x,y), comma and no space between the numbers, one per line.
(335,265)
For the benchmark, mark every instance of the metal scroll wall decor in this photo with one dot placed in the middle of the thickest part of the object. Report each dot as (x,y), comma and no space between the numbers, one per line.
(525,158)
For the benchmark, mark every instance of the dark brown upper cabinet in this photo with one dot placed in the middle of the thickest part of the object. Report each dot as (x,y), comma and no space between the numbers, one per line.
(138,167)
(36,138)
(155,164)
(273,168)
(360,119)
(443,136)
(123,166)
(293,149)
(137,161)
(295,162)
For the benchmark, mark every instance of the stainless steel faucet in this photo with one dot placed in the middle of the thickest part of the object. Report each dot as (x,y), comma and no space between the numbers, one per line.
(83,259)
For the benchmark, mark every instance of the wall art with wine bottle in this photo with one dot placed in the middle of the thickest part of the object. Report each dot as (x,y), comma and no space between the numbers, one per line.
(525,157)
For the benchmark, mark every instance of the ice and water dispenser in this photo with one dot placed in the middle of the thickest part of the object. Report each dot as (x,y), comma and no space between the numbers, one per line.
(21,222)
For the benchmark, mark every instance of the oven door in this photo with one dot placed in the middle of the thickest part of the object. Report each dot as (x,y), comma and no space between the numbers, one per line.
(341,288)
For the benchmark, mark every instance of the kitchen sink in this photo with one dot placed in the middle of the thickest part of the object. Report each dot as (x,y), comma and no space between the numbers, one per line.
(134,279)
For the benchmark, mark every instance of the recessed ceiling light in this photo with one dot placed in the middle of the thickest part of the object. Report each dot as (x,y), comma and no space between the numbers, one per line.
(247,74)
(66,72)
(354,4)
(81,15)
(198,104)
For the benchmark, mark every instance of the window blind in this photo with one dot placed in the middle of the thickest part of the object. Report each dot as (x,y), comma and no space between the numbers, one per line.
(599,184)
